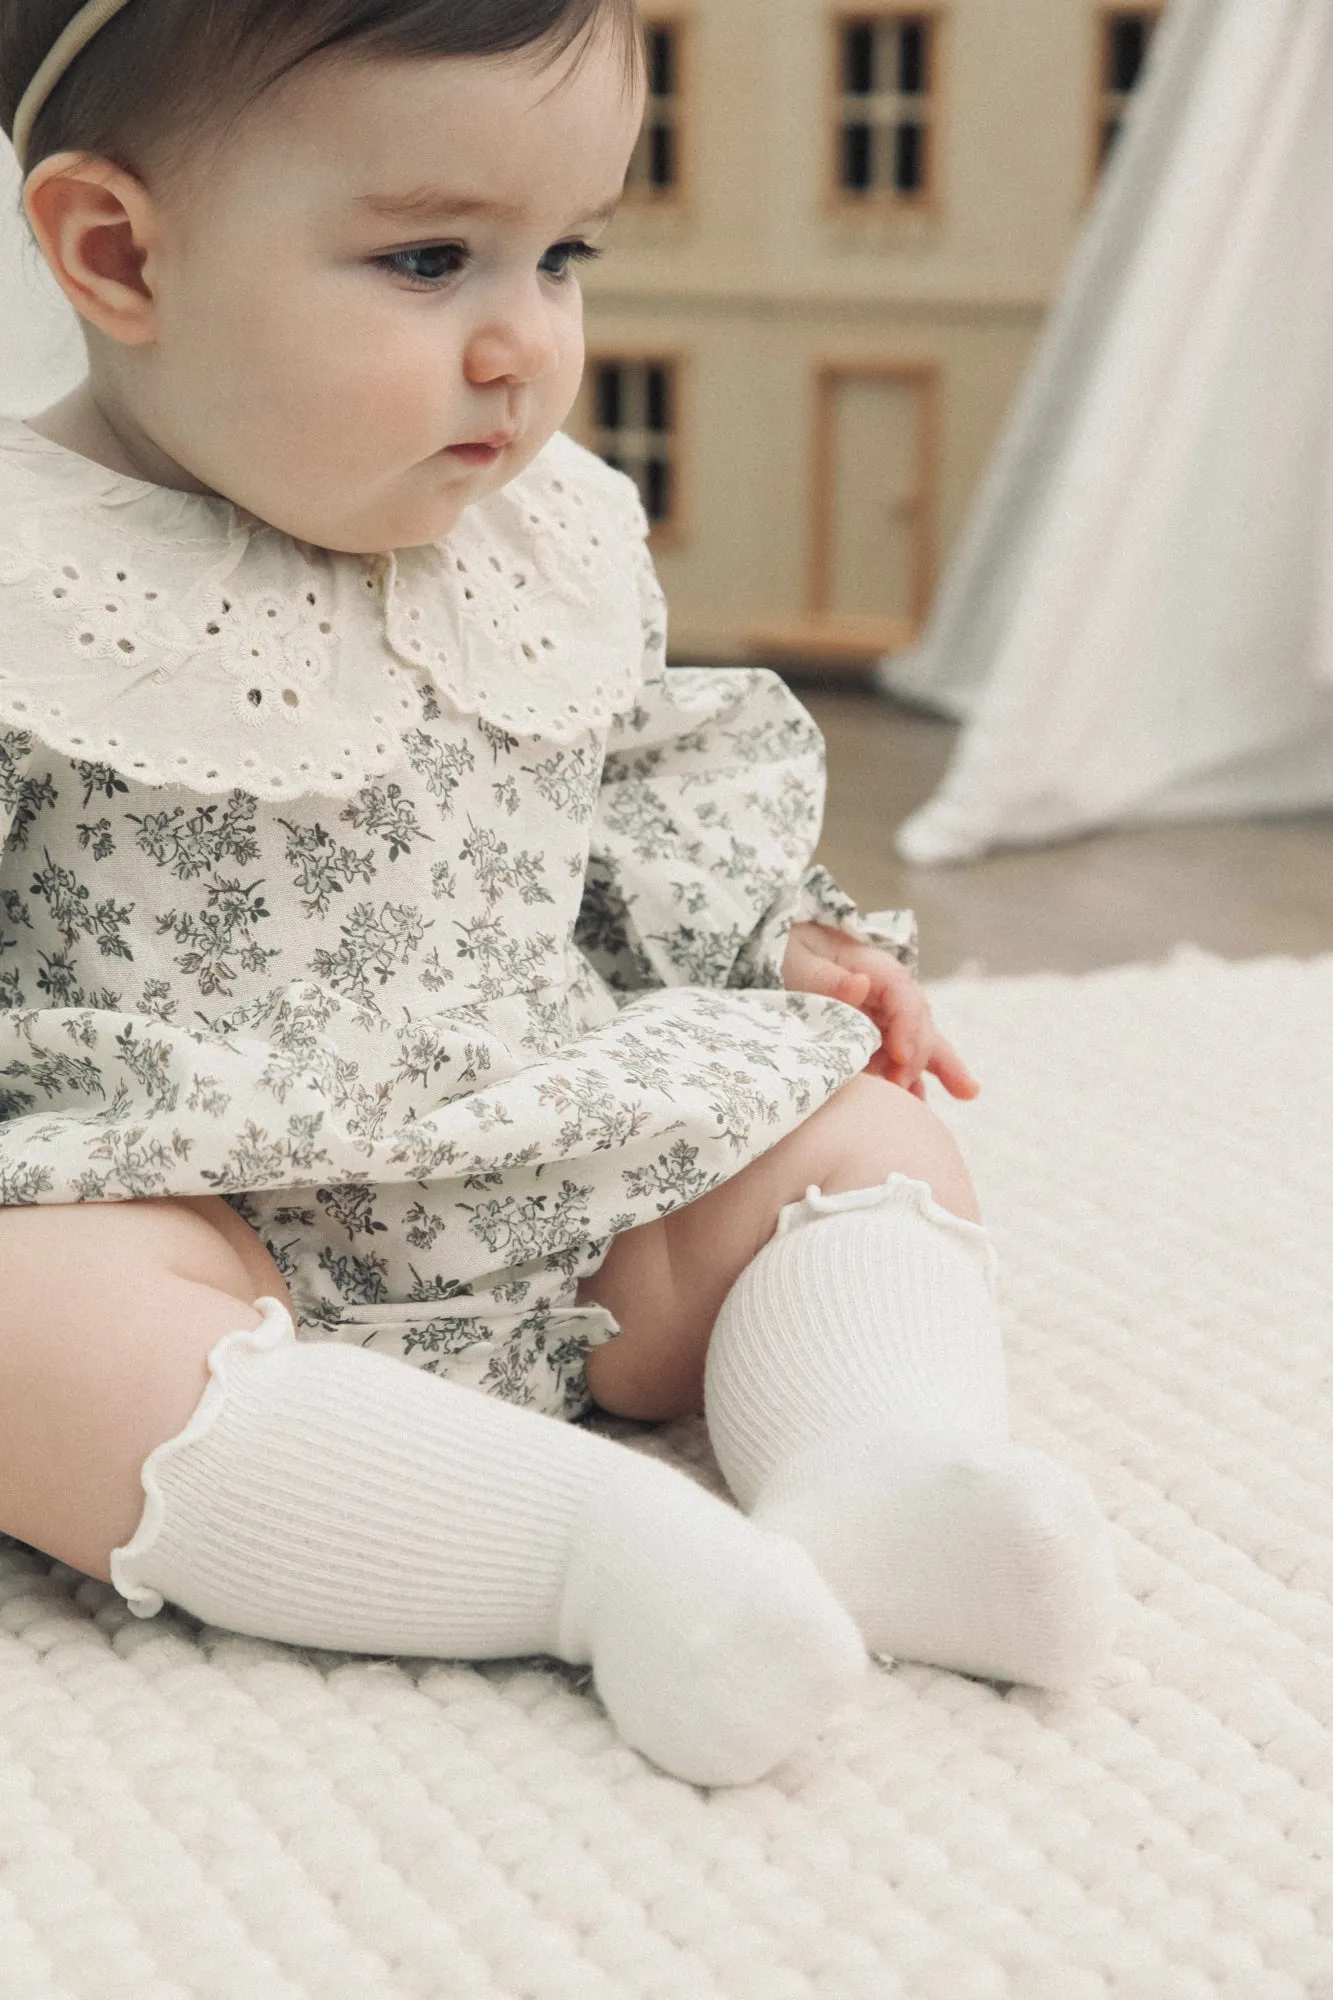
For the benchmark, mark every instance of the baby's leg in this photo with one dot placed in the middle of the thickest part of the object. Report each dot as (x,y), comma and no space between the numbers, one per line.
(107,1316)
(665,1281)
(855,1392)
(318,1494)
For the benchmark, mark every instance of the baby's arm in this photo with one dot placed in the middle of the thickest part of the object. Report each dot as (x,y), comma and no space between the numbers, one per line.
(709,813)
(701,868)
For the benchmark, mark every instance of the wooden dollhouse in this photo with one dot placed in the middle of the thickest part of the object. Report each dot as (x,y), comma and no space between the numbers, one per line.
(842,231)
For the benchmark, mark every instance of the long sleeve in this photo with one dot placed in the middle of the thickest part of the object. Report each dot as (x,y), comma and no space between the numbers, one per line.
(710,811)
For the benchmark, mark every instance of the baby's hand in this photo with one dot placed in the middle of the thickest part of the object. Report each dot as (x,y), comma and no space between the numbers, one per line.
(820,959)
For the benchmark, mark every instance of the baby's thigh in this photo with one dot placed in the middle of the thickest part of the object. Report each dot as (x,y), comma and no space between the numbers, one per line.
(262,1277)
(78,1262)
(107,1316)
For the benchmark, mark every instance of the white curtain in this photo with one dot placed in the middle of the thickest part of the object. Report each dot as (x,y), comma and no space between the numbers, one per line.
(1137,622)
(42,355)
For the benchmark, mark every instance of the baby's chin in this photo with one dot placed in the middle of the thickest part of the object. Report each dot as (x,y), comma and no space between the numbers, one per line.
(376,531)
(435,524)
(412,520)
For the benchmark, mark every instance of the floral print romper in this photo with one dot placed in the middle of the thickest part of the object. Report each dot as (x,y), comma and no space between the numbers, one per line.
(411,903)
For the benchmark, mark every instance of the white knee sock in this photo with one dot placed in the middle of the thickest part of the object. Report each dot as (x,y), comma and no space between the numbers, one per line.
(325,1496)
(855,1396)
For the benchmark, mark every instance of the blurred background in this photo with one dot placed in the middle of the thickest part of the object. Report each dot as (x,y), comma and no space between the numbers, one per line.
(975,363)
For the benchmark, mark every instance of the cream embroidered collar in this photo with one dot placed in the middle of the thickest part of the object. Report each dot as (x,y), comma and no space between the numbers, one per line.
(183,641)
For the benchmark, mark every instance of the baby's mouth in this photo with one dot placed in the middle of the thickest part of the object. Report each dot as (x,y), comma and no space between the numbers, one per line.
(484,451)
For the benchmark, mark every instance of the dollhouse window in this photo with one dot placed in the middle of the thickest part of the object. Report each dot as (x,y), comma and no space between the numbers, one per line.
(634,421)
(655,166)
(1127,34)
(885,68)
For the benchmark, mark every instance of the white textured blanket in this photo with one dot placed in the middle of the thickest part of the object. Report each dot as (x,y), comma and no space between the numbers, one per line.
(183,1813)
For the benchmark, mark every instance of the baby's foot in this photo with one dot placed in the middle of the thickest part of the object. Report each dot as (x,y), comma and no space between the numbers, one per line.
(715,1645)
(959,1550)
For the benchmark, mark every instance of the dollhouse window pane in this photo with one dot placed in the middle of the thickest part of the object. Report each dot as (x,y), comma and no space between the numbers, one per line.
(859,61)
(1128,47)
(659,400)
(634,408)
(609,399)
(907,175)
(912,58)
(657,490)
(1127,40)
(661,62)
(662,156)
(858,156)
(654,168)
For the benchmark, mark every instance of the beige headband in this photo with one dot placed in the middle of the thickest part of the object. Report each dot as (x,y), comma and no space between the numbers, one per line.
(89,21)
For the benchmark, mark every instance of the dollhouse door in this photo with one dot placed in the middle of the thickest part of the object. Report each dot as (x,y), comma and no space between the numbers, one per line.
(871,554)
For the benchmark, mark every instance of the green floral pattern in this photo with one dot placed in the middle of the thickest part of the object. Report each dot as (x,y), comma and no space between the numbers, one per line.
(439,1042)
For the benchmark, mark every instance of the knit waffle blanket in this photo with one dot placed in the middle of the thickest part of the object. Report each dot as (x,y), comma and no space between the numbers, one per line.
(187,1813)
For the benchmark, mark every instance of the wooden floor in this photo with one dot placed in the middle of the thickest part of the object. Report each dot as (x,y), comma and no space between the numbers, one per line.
(1237,888)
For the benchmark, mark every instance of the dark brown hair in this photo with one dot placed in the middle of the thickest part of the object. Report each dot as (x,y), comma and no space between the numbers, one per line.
(164,72)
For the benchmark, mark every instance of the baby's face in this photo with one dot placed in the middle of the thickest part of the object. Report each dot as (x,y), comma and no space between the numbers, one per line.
(380,270)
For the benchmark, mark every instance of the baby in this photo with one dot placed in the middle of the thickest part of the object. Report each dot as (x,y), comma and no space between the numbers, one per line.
(421,1019)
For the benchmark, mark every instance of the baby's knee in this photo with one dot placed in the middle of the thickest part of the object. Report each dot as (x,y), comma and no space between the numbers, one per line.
(873,1128)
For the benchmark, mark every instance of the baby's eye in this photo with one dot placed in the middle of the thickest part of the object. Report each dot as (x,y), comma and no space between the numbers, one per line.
(566,254)
(428,268)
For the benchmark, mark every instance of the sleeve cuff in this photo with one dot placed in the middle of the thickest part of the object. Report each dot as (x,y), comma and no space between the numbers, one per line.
(818,899)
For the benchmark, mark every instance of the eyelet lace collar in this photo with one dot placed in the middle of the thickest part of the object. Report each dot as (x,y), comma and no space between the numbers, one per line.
(529,612)
(182,641)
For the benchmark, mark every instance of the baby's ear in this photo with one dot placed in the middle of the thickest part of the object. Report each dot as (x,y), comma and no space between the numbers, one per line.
(96,225)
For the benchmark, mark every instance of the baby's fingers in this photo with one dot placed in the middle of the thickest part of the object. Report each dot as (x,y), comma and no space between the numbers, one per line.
(952,1071)
(908,1034)
(849,987)
(824,976)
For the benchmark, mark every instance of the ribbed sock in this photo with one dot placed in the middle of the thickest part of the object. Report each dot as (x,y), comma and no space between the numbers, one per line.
(856,1401)
(326,1496)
